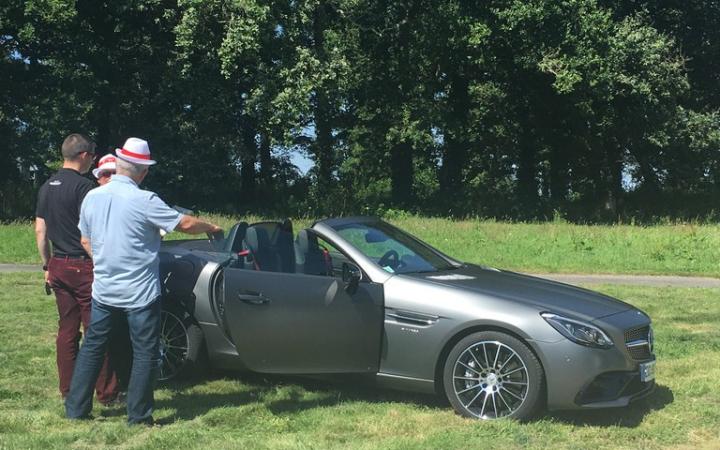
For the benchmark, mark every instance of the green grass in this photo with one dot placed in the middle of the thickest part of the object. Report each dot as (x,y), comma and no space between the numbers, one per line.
(251,411)
(684,249)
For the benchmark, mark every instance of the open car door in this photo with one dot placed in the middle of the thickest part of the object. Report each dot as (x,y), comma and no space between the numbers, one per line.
(287,322)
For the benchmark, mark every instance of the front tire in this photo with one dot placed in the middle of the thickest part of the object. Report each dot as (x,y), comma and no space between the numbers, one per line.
(492,375)
(181,345)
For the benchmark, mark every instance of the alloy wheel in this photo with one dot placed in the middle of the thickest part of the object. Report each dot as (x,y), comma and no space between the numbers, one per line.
(174,345)
(490,380)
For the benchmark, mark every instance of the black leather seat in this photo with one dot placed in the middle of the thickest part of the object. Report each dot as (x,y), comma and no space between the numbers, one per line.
(285,247)
(309,257)
(261,250)
(234,239)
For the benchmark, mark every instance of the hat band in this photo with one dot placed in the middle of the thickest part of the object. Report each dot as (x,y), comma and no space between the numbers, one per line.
(134,155)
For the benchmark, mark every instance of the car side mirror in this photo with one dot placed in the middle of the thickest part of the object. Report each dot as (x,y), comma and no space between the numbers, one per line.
(351,275)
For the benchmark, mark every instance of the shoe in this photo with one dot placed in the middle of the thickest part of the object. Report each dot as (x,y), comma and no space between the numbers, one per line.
(119,400)
(147,422)
(84,418)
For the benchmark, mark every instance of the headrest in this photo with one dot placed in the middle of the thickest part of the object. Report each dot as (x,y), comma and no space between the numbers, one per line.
(257,238)
(306,241)
(233,242)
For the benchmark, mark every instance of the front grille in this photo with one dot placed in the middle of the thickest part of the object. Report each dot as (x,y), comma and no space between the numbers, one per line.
(640,352)
(636,336)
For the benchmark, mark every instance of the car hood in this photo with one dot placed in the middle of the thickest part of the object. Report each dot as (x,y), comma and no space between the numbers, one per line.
(547,295)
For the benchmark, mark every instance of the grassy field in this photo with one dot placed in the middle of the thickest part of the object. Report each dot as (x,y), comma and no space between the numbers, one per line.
(534,247)
(249,411)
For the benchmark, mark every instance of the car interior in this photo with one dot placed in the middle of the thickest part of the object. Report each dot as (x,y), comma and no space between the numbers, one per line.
(270,247)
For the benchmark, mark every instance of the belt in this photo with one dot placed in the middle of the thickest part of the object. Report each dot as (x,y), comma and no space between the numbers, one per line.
(66,257)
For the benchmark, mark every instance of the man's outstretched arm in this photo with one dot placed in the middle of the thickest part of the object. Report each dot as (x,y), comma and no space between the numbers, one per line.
(193,225)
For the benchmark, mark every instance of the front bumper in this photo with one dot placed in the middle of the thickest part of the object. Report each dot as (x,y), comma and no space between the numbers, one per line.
(579,377)
(614,389)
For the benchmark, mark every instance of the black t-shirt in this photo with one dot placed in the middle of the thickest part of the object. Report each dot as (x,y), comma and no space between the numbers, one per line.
(59,203)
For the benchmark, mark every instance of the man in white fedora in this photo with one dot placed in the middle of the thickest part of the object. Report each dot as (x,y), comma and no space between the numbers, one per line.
(105,169)
(119,224)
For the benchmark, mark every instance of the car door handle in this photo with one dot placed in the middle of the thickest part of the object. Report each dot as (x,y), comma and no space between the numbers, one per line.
(253,299)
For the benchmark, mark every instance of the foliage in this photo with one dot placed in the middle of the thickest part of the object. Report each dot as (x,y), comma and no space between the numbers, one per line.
(591,109)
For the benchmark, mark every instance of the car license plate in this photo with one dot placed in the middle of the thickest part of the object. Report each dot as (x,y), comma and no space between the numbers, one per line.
(647,371)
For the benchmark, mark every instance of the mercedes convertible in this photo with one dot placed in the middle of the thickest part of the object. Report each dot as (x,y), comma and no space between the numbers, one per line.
(357,295)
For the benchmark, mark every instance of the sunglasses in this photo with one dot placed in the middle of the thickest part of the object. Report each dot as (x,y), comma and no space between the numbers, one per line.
(106,174)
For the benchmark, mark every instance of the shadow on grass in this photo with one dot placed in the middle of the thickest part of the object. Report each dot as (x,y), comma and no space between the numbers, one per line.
(628,417)
(299,394)
(304,393)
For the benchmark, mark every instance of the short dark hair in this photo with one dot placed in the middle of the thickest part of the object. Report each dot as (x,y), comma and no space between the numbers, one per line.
(75,144)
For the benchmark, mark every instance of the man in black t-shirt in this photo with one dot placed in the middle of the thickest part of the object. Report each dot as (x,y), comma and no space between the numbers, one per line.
(69,271)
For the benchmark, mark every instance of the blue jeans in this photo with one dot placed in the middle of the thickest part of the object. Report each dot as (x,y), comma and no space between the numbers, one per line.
(144,327)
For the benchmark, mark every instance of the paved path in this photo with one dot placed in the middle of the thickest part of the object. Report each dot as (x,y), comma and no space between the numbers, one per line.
(642,280)
(19,268)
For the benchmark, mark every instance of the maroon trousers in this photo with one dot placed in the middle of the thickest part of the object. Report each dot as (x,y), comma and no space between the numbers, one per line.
(71,280)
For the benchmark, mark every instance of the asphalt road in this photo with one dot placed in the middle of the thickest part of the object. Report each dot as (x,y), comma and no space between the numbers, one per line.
(577,279)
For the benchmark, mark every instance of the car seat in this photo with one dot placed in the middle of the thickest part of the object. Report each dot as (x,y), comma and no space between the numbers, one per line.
(310,258)
(285,247)
(257,243)
(234,239)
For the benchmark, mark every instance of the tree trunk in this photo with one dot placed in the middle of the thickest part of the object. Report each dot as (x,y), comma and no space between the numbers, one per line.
(323,146)
(402,174)
(527,182)
(266,166)
(456,145)
(248,158)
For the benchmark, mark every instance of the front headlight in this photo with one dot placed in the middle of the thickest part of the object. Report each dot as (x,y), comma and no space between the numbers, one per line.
(579,332)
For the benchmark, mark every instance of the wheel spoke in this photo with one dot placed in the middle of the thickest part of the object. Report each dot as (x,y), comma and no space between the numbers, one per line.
(175,356)
(457,377)
(467,405)
(497,355)
(512,371)
(468,367)
(172,329)
(494,405)
(179,336)
(506,403)
(515,382)
(470,388)
(509,392)
(473,357)
(170,364)
(482,410)
(176,346)
(512,355)
(487,360)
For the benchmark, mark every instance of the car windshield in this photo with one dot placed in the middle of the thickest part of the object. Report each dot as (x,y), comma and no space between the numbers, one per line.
(391,248)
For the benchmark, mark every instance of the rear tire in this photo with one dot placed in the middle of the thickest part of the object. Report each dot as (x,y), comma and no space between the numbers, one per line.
(182,345)
(491,375)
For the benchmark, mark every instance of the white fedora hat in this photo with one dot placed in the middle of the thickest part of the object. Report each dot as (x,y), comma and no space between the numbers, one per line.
(106,164)
(136,151)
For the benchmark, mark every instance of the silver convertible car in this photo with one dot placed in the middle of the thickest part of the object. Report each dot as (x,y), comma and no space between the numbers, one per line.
(358,295)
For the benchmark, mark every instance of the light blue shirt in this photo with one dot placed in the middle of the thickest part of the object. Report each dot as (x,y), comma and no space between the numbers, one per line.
(123,225)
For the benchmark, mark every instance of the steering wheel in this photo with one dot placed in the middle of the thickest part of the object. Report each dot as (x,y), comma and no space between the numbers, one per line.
(391,259)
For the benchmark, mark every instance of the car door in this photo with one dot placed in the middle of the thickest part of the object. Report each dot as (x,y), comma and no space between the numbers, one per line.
(298,323)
